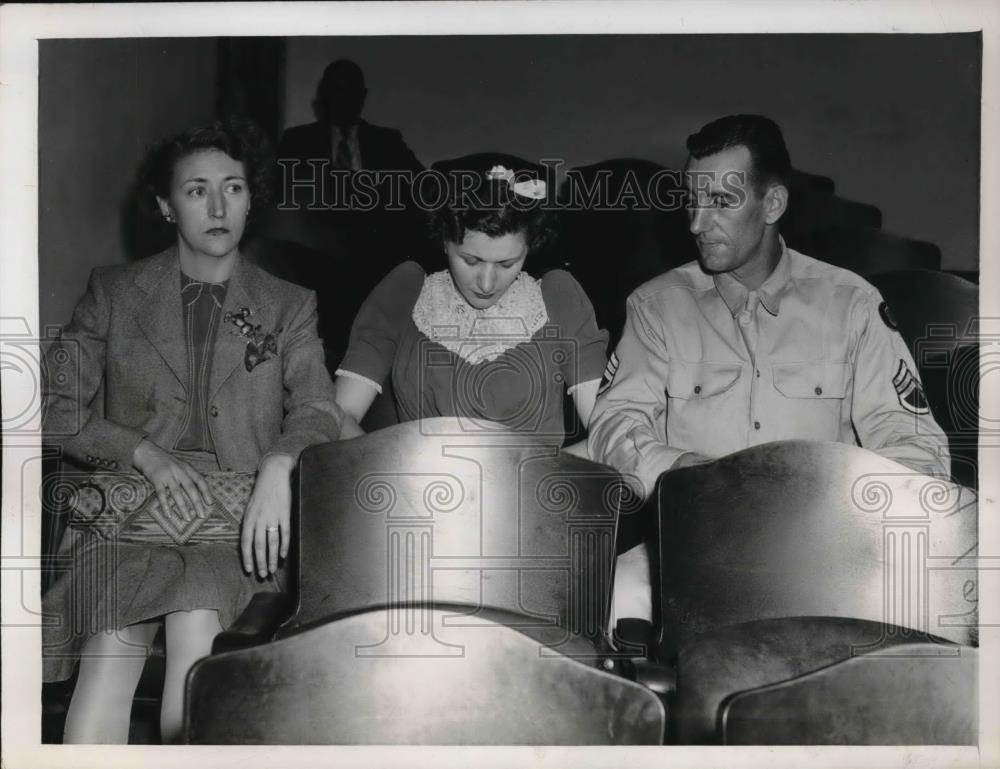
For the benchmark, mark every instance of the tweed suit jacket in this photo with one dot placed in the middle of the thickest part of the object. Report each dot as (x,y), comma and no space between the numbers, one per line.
(119,372)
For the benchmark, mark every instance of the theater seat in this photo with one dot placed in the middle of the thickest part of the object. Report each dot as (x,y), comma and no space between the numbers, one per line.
(869,251)
(462,564)
(808,197)
(803,528)
(723,665)
(938,316)
(366,679)
(789,557)
(915,695)
(447,510)
(849,214)
(624,224)
(480,516)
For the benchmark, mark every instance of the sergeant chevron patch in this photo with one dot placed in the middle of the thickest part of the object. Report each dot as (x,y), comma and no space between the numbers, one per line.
(908,390)
(609,373)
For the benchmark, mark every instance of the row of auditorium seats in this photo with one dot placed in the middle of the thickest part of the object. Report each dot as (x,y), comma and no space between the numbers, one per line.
(467,602)
(452,586)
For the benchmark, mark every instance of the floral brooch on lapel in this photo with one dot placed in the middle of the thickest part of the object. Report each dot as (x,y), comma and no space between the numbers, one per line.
(261,345)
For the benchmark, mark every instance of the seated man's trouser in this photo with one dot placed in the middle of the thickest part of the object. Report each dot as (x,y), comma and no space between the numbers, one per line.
(633,594)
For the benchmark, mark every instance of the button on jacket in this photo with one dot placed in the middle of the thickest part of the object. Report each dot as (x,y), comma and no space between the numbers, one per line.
(705,365)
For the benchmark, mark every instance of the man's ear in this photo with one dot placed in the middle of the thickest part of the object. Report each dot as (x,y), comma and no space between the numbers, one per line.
(775,203)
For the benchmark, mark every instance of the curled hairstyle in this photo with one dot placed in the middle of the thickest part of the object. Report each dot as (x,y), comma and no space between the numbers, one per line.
(760,135)
(477,203)
(241,139)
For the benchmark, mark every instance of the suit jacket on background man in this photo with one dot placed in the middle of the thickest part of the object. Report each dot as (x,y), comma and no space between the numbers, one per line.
(127,333)
(382,149)
(361,243)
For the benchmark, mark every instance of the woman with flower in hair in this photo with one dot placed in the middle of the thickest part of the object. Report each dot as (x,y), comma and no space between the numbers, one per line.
(482,339)
(189,362)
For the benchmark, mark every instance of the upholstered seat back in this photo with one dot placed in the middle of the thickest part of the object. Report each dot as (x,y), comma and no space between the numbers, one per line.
(446,510)
(800,528)
(357,681)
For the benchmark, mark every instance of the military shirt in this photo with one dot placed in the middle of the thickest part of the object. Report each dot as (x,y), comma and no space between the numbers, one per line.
(706,365)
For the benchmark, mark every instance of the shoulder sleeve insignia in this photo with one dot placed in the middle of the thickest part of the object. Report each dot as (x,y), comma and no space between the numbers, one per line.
(908,390)
(887,317)
(609,373)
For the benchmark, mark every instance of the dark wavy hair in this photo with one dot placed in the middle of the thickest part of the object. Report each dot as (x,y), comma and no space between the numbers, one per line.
(477,203)
(759,134)
(241,139)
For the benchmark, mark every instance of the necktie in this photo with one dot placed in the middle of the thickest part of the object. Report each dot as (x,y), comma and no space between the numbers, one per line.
(342,160)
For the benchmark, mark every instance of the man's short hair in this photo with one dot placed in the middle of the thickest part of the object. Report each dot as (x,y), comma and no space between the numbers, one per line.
(759,134)
(346,69)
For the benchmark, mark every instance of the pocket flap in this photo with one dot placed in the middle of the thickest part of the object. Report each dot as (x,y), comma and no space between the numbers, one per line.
(811,380)
(701,380)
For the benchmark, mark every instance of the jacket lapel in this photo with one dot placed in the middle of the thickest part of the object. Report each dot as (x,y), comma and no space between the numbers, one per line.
(365,148)
(160,314)
(245,291)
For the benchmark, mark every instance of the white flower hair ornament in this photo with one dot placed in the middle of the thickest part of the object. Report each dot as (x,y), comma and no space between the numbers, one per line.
(530,188)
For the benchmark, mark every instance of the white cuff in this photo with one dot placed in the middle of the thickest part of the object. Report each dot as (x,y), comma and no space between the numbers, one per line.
(351,375)
(569,390)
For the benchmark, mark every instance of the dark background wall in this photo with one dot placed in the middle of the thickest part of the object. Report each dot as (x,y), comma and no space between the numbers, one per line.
(101,103)
(894,120)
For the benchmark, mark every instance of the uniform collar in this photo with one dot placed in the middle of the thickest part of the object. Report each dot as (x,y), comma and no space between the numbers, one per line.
(734,293)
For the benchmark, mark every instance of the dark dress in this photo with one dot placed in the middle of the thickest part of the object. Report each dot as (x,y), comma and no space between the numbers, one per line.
(512,364)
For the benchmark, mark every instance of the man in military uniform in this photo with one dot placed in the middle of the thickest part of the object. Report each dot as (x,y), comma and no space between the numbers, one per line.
(754,342)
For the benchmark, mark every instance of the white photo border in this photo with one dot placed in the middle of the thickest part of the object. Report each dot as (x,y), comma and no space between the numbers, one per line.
(21,26)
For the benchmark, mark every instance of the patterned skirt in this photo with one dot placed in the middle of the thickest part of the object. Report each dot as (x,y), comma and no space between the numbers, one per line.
(102,585)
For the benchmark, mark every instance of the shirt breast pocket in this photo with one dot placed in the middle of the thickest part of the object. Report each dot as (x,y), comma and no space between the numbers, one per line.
(812,380)
(701,381)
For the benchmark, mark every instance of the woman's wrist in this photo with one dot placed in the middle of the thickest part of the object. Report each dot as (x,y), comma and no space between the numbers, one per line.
(141,453)
(283,463)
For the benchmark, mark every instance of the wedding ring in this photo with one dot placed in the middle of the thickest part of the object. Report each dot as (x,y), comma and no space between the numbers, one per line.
(271,528)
